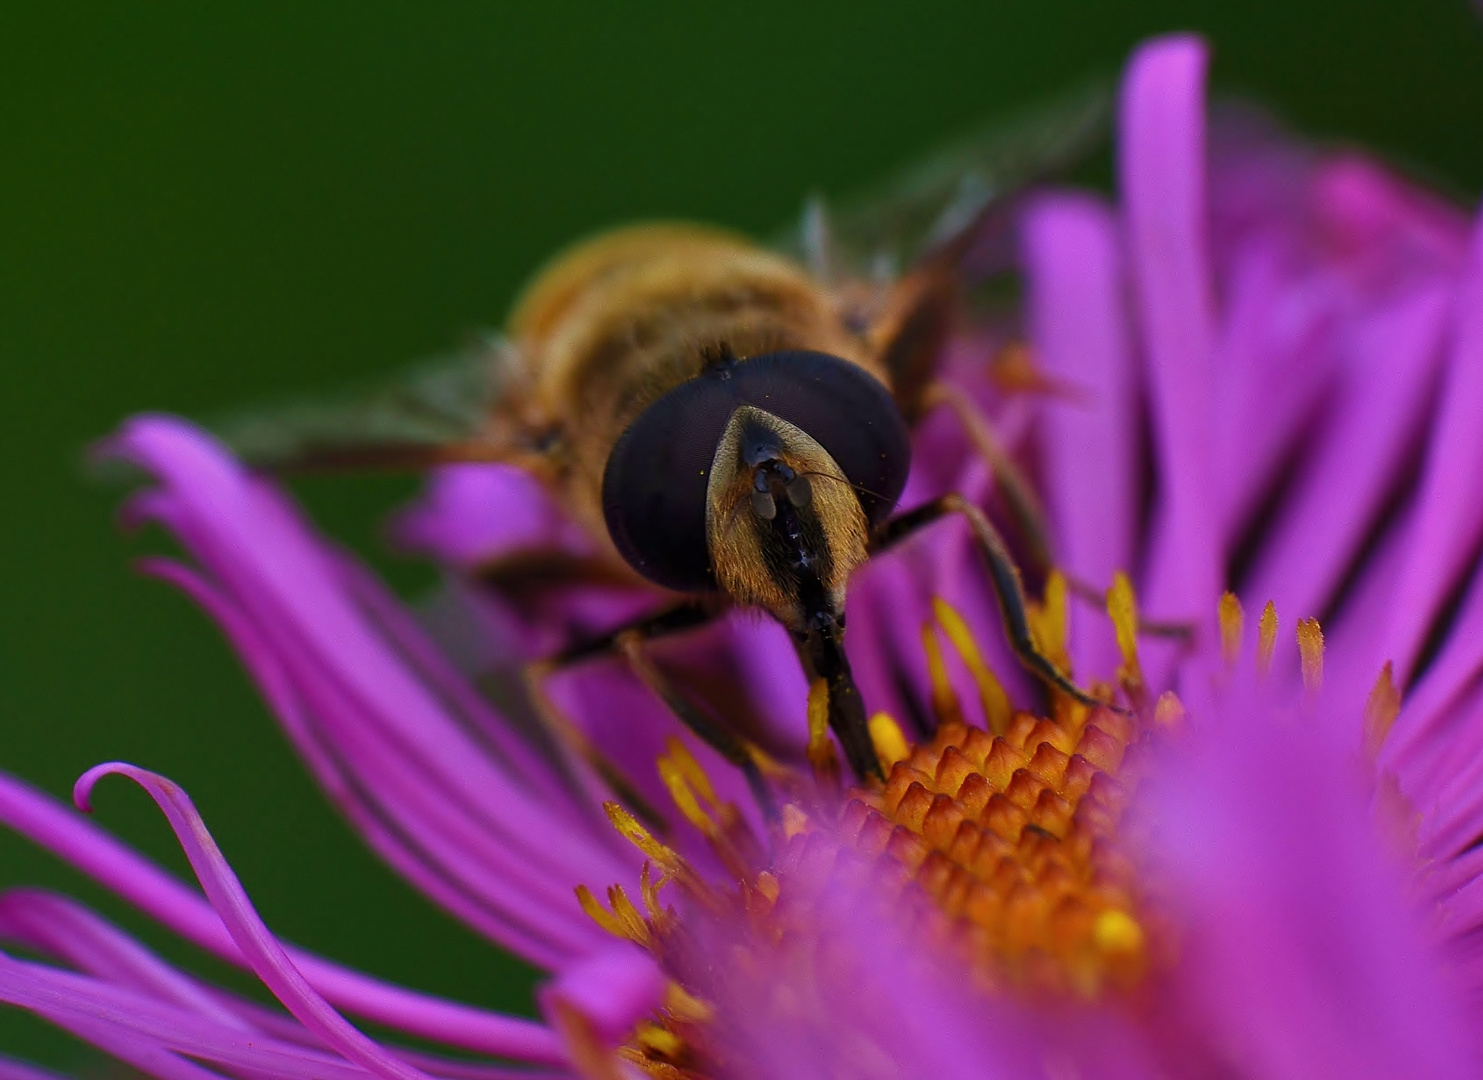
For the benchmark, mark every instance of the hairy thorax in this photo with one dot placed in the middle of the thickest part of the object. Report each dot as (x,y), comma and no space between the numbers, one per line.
(619,320)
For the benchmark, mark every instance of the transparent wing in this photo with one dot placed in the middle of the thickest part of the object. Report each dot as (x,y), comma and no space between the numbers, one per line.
(441,410)
(891,226)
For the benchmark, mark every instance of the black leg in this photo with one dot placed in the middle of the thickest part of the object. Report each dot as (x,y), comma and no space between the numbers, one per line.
(627,641)
(572,741)
(1003,572)
(671,620)
(1019,495)
(630,645)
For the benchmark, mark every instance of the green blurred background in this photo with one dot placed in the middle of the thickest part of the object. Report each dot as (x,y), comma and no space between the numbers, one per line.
(206,204)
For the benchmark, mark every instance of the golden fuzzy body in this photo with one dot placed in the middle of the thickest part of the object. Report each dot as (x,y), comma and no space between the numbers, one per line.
(721,420)
(617,321)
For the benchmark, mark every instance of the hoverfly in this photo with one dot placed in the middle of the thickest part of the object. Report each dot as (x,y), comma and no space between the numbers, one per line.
(729,421)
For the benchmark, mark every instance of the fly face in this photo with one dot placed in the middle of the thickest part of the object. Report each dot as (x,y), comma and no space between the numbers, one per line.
(784,526)
(760,478)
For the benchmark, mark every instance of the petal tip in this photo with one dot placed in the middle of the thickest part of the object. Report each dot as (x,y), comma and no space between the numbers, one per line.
(82,791)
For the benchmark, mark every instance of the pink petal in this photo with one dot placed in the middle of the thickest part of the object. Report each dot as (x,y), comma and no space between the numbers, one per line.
(472,514)
(1161,158)
(57,926)
(12,1069)
(371,689)
(1343,480)
(1277,356)
(269,562)
(149,1034)
(147,1002)
(613,990)
(1298,957)
(1079,328)
(1450,498)
(476,879)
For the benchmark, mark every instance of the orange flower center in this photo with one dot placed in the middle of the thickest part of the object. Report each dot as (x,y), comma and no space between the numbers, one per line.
(1014,838)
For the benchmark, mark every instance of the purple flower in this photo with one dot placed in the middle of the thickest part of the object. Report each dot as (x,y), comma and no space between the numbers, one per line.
(1263,862)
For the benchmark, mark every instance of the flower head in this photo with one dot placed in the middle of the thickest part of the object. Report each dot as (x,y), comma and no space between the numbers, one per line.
(1255,856)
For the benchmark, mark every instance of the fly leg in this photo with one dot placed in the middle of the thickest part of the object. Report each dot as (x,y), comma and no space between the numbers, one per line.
(566,735)
(671,620)
(627,642)
(732,747)
(1024,505)
(1005,575)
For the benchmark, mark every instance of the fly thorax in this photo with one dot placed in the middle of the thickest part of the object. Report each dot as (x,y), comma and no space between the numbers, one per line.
(784,525)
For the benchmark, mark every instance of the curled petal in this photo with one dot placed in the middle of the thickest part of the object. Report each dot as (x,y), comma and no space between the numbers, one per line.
(163,897)
(261,950)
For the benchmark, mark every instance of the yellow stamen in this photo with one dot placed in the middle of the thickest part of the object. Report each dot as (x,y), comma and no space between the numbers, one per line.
(628,915)
(795,821)
(991,694)
(1310,647)
(1122,608)
(685,1005)
(1015,839)
(945,704)
(684,798)
(768,886)
(1168,711)
(628,827)
(890,744)
(599,914)
(1383,706)
(649,887)
(1118,932)
(821,755)
(1232,621)
(1048,622)
(693,772)
(1266,638)
(659,1040)
(684,778)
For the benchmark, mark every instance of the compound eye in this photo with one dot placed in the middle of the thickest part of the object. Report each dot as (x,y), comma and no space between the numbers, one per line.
(654,487)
